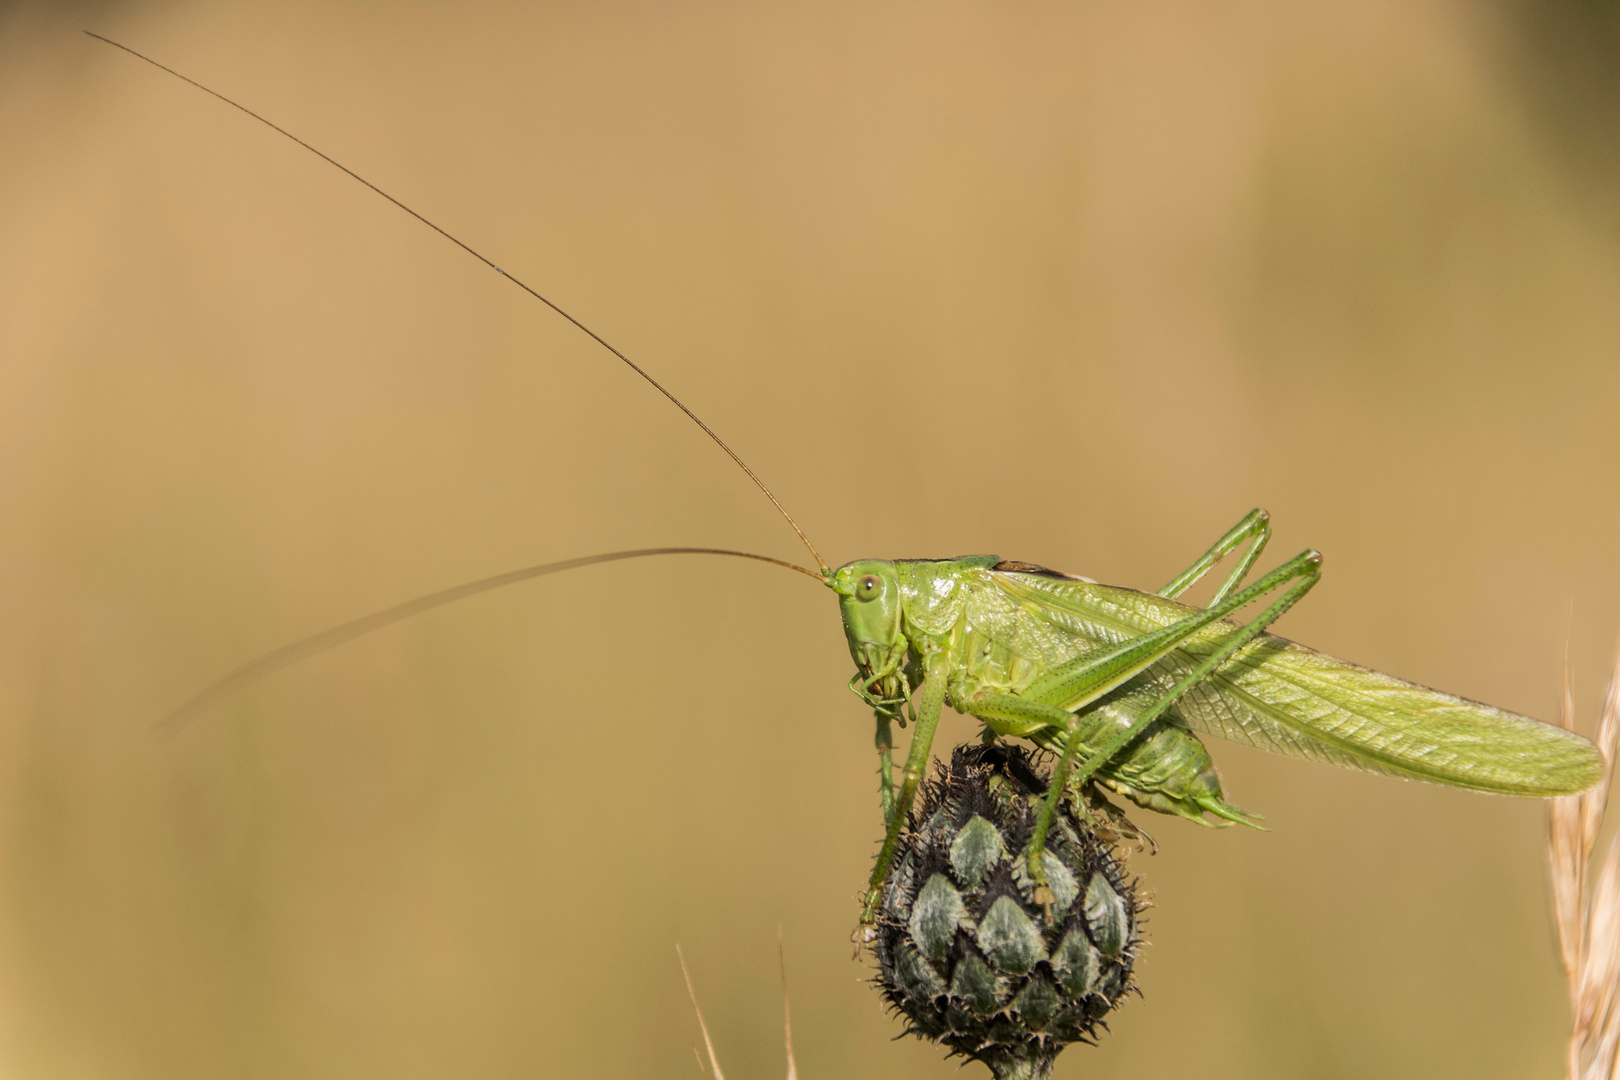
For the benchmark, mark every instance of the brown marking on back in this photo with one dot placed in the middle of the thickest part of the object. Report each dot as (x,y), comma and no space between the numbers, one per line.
(1016,567)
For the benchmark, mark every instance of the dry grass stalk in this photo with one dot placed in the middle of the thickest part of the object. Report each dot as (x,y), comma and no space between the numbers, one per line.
(1589,920)
(708,1044)
(787,1008)
(713,1068)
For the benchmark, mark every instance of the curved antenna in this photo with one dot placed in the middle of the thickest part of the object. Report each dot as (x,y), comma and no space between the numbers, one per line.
(656,385)
(315,644)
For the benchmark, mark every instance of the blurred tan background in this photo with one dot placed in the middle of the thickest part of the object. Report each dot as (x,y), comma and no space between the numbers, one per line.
(1077,284)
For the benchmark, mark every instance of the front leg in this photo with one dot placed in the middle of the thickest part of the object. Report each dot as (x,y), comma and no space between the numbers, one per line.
(884,739)
(922,743)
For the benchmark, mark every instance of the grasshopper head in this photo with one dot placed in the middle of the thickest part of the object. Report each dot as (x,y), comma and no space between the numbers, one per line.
(869,599)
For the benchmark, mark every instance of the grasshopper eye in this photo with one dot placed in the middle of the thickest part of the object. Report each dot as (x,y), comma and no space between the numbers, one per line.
(868,587)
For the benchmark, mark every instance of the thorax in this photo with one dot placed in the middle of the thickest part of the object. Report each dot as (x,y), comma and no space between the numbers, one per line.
(954,612)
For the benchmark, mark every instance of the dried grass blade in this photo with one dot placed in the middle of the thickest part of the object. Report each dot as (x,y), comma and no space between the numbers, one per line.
(714,1062)
(787,1008)
(1597,1019)
(1567,854)
(1589,922)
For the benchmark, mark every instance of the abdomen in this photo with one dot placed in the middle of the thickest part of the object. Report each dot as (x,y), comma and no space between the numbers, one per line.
(1166,768)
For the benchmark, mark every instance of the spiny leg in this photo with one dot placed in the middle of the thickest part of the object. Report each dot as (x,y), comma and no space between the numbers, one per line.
(1255,526)
(885,748)
(1014,715)
(922,742)
(1304,571)
(885,710)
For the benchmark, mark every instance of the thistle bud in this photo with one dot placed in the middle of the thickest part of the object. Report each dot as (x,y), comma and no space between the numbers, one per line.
(966,951)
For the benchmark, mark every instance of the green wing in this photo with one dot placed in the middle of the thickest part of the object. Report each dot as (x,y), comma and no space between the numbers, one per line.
(1283,697)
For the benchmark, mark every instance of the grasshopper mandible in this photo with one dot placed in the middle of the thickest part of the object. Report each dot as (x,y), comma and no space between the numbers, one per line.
(1118,684)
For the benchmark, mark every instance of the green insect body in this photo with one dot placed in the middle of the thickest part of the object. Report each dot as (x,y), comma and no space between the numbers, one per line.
(1118,684)
(971,613)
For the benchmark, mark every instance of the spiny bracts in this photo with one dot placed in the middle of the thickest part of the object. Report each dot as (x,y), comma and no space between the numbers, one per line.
(966,953)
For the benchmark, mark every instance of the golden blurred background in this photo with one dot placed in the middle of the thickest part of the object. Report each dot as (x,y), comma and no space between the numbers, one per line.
(1076,284)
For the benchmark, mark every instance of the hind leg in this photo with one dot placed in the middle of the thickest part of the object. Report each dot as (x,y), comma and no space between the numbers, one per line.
(1255,526)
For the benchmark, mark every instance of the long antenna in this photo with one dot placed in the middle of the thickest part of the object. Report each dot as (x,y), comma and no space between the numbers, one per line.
(707,430)
(315,644)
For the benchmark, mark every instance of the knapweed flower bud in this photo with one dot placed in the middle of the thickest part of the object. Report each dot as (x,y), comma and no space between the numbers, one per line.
(966,952)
